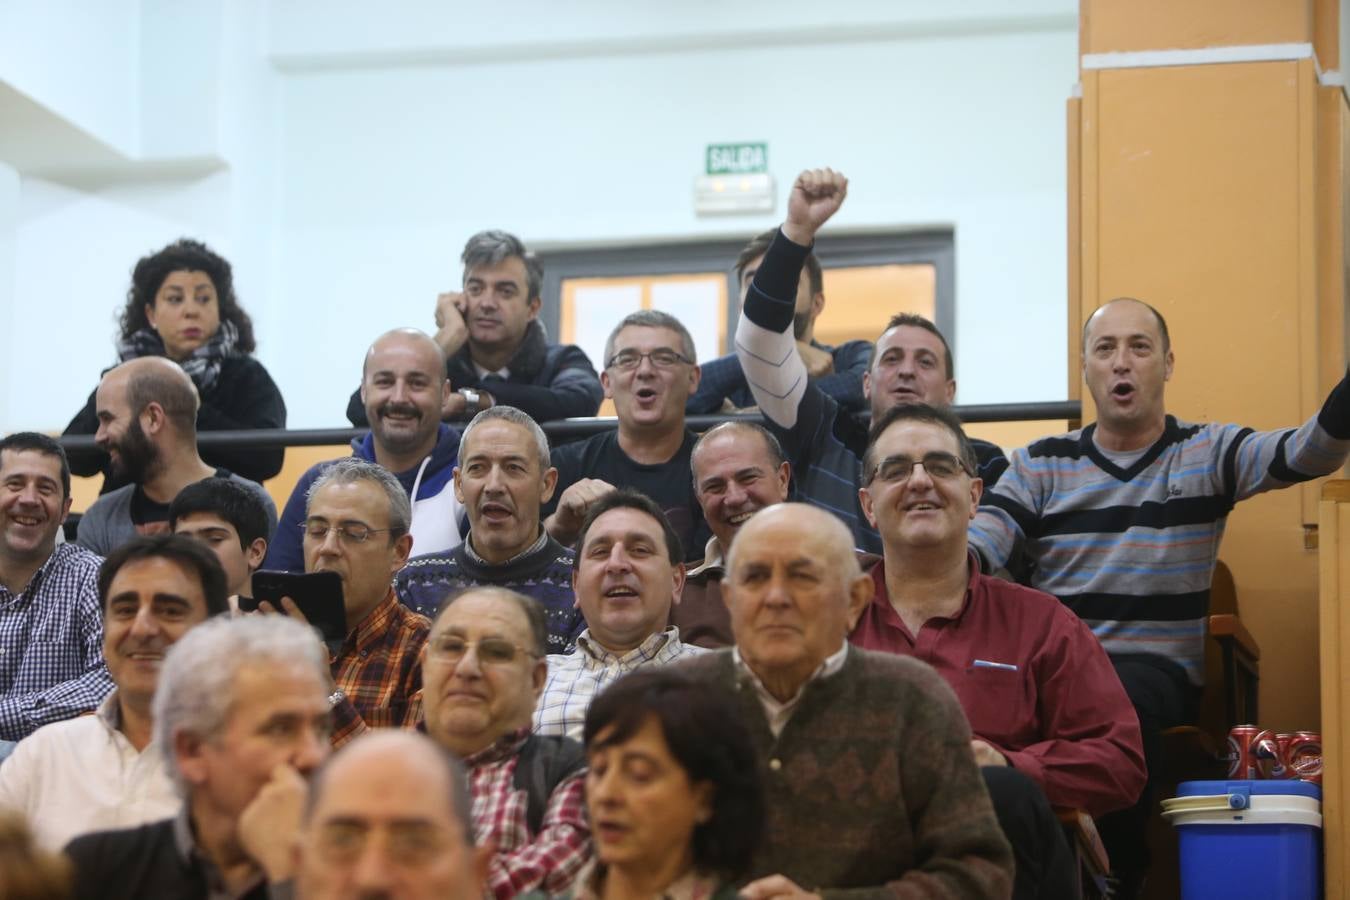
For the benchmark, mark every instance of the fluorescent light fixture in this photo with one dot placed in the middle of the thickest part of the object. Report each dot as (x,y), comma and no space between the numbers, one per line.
(729,195)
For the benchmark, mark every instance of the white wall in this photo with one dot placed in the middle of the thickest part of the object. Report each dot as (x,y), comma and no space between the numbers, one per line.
(349,154)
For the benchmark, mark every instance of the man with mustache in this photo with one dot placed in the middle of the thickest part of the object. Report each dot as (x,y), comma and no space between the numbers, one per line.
(738,469)
(629,574)
(51,660)
(104,771)
(911,363)
(650,373)
(147,424)
(496,350)
(502,478)
(838,371)
(1123,520)
(404,389)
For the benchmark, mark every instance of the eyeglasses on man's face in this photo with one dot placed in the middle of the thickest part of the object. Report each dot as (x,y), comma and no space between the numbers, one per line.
(347,532)
(492,651)
(896,469)
(661,357)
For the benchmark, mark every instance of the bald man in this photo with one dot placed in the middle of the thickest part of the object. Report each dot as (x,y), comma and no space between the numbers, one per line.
(874,785)
(405,393)
(1123,518)
(147,424)
(388,816)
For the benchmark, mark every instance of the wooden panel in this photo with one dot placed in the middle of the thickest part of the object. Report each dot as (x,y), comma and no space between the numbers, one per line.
(1119,25)
(1327,33)
(1011,435)
(1334,606)
(1073,121)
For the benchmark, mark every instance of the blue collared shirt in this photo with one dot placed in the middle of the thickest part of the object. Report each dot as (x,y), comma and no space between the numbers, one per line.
(51,644)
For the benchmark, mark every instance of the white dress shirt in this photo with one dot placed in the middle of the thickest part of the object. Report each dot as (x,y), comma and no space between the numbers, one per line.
(82,775)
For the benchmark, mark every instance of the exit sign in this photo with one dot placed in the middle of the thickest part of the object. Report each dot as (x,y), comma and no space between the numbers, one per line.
(738,159)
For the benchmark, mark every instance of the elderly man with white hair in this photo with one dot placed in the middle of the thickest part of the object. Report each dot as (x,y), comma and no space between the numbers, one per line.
(242,713)
(870,785)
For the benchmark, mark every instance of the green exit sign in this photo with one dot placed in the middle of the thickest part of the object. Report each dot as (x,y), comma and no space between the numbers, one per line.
(738,159)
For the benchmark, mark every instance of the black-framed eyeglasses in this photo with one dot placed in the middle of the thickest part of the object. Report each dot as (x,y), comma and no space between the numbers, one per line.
(347,532)
(495,651)
(895,469)
(661,357)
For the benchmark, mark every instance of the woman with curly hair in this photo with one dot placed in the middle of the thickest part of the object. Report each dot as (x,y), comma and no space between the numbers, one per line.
(181,305)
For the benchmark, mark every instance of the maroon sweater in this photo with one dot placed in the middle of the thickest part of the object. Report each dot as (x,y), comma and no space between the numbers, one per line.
(872,789)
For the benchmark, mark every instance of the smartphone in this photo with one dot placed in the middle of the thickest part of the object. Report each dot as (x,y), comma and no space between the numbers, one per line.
(318,594)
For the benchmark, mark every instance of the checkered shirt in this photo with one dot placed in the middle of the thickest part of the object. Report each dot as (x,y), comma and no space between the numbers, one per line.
(51,644)
(549,860)
(575,678)
(379,668)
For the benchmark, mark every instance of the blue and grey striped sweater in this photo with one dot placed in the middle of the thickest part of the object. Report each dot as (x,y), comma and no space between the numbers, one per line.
(1132,550)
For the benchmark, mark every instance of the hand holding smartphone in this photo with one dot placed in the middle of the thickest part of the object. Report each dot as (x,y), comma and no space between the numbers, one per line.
(318,595)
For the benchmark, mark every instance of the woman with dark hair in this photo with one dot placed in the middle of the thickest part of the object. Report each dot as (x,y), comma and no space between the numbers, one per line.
(673,792)
(181,304)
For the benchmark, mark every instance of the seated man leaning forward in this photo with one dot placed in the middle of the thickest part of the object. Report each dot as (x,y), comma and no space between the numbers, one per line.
(629,574)
(147,423)
(403,387)
(911,363)
(229,519)
(103,771)
(241,711)
(357,526)
(484,672)
(51,664)
(502,478)
(389,817)
(739,469)
(495,348)
(649,373)
(838,371)
(869,779)
(1050,717)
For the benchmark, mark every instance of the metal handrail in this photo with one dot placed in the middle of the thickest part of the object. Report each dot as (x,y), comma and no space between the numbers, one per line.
(271,438)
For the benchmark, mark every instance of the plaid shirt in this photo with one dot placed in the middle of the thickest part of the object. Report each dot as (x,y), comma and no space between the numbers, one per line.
(575,678)
(51,644)
(379,668)
(548,860)
(522,862)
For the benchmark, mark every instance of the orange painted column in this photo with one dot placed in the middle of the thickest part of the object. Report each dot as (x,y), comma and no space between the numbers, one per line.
(1206,163)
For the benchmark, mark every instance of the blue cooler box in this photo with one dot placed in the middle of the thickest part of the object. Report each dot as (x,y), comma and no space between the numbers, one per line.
(1248,839)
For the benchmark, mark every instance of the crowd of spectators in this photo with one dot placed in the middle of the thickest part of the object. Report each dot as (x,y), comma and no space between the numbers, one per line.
(773,661)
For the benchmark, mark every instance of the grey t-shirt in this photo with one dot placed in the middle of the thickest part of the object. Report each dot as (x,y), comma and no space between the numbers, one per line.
(108,523)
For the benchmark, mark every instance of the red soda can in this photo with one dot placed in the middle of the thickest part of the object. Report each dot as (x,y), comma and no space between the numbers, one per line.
(1265,749)
(1281,768)
(1304,756)
(1242,751)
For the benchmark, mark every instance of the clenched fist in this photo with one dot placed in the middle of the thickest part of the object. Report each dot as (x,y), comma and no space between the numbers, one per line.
(816,195)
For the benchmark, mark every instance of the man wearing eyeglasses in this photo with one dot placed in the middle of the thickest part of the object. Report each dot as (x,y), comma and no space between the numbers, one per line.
(1042,698)
(484,672)
(356,524)
(650,373)
(629,572)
